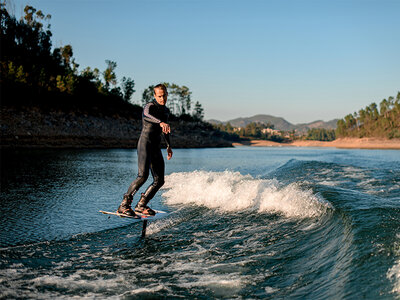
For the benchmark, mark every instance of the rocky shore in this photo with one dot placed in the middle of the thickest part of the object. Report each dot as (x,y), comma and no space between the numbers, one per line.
(37,128)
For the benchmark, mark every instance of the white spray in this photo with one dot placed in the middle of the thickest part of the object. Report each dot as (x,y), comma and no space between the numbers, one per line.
(233,192)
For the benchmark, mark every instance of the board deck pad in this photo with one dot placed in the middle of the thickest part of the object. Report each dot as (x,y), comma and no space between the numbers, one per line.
(139,216)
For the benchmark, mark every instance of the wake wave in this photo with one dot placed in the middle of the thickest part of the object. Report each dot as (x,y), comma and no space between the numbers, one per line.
(231,192)
(394,275)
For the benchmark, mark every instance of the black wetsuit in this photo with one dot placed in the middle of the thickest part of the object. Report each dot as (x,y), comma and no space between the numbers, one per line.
(148,148)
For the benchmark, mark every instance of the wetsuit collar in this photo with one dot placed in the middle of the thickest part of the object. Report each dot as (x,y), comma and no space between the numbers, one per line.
(158,104)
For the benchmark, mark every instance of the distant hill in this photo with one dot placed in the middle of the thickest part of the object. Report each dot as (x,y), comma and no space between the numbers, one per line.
(302,128)
(279,123)
(213,121)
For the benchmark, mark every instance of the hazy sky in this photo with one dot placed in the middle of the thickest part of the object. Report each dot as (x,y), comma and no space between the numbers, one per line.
(302,60)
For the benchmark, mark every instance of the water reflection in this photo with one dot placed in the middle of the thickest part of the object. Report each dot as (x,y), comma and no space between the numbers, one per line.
(49,194)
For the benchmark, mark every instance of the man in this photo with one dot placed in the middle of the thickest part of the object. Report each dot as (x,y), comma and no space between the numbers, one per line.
(154,123)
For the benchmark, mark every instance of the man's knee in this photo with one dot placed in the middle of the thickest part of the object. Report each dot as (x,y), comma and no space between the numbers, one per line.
(159,182)
(141,178)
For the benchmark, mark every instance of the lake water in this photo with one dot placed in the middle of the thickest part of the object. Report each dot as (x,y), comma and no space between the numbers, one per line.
(278,223)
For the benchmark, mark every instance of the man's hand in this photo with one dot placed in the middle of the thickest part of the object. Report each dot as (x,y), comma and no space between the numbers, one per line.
(165,128)
(169,151)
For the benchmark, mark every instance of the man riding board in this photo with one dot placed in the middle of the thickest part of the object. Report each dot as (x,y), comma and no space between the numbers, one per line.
(154,123)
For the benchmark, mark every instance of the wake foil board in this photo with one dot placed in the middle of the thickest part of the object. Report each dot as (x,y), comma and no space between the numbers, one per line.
(138,217)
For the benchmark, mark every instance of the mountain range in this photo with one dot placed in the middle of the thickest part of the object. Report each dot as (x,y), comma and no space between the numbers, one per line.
(279,123)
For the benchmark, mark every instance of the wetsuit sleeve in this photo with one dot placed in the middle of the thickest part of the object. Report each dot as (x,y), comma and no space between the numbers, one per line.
(147,114)
(166,137)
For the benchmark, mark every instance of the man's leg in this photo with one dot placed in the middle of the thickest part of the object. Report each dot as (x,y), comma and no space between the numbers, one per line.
(157,168)
(143,174)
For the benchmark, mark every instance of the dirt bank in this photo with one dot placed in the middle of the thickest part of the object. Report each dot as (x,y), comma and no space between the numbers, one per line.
(36,128)
(351,143)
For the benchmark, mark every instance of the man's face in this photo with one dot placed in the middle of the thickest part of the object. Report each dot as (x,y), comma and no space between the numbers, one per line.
(160,96)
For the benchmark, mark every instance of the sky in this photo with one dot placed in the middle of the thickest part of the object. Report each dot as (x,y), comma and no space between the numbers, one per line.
(303,60)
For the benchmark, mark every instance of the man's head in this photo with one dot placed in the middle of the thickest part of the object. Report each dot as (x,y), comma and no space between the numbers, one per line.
(160,94)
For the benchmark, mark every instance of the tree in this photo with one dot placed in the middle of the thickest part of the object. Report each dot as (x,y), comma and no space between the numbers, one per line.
(341,128)
(173,94)
(66,54)
(321,134)
(350,121)
(397,104)
(373,109)
(147,95)
(179,98)
(371,122)
(109,74)
(116,91)
(25,43)
(32,20)
(384,107)
(33,73)
(127,86)
(90,74)
(198,111)
(184,99)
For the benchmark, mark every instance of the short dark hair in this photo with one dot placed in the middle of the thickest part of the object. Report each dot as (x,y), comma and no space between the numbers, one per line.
(160,86)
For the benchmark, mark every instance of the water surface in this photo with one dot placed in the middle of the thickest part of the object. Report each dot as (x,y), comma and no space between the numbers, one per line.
(281,223)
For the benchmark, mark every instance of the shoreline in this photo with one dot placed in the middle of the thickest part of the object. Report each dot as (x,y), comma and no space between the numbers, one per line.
(344,143)
(33,127)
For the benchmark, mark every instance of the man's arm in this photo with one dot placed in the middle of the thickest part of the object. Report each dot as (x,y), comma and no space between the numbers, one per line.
(148,116)
(169,149)
(167,140)
(167,131)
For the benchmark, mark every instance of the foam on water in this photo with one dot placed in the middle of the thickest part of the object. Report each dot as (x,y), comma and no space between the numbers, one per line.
(152,288)
(159,225)
(233,192)
(393,274)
